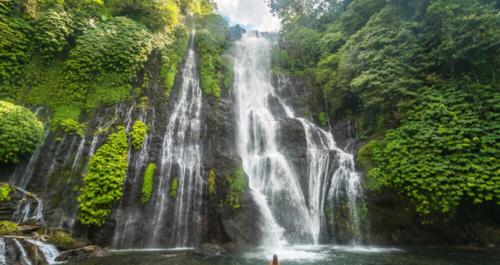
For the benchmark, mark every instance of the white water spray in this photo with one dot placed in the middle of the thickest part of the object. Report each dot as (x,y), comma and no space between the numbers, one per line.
(274,184)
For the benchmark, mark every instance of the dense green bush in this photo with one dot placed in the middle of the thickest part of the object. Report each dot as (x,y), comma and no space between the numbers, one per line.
(446,150)
(5,190)
(62,240)
(104,62)
(7,227)
(238,185)
(147,185)
(427,69)
(172,57)
(156,15)
(69,126)
(104,180)
(138,134)
(212,37)
(20,132)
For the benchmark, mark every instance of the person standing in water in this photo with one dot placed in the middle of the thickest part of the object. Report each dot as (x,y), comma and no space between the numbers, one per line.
(275,260)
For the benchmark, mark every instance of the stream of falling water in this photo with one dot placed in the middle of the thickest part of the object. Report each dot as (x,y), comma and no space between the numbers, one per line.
(181,158)
(289,213)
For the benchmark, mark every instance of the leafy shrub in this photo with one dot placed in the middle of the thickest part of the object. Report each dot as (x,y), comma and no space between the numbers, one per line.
(227,62)
(172,57)
(238,184)
(323,118)
(211,39)
(174,188)
(104,61)
(211,182)
(157,15)
(147,185)
(138,134)
(104,180)
(20,132)
(7,227)
(62,240)
(69,126)
(445,151)
(5,190)
(52,31)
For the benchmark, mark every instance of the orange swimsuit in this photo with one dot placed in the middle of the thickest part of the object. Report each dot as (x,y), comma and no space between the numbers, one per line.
(273,264)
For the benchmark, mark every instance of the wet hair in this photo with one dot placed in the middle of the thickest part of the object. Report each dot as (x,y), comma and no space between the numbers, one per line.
(275,259)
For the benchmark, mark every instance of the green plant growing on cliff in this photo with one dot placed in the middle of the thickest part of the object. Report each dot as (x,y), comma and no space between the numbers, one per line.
(69,126)
(5,190)
(174,188)
(62,240)
(323,118)
(227,62)
(211,39)
(138,134)
(445,151)
(7,227)
(211,183)
(147,184)
(238,185)
(20,132)
(172,56)
(104,180)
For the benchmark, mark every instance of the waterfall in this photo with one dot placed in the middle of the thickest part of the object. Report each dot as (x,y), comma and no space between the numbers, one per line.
(181,158)
(274,184)
(3,252)
(23,215)
(270,173)
(23,252)
(49,251)
(24,177)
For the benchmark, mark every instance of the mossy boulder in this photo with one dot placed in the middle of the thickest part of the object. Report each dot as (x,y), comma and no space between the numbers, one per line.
(62,240)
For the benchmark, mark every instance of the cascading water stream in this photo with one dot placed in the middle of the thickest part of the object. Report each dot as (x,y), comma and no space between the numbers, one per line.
(49,251)
(3,252)
(272,180)
(23,252)
(270,174)
(181,158)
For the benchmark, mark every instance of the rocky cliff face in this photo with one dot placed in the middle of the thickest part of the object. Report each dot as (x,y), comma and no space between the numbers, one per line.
(55,172)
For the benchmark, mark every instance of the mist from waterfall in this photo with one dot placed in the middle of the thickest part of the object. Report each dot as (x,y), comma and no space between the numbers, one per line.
(291,214)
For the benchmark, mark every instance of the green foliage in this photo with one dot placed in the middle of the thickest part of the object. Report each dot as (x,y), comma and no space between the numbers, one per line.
(212,37)
(174,188)
(69,126)
(62,240)
(211,182)
(7,227)
(238,185)
(172,57)
(20,132)
(138,134)
(228,64)
(446,149)
(428,69)
(156,15)
(104,180)
(104,61)
(323,118)
(147,185)
(5,190)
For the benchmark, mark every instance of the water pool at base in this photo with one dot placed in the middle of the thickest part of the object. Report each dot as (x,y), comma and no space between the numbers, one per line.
(318,255)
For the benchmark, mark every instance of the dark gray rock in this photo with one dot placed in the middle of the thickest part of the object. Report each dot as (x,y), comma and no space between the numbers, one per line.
(209,250)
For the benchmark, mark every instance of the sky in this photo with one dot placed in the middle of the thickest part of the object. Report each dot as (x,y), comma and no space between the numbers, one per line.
(254,14)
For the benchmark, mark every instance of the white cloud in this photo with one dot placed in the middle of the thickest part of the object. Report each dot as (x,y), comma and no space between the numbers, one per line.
(253,12)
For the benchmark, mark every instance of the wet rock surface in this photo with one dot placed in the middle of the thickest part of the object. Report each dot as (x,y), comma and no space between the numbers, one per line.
(209,250)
